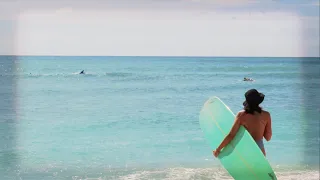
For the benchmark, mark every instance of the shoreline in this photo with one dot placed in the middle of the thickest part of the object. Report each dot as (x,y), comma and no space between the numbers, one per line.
(153,173)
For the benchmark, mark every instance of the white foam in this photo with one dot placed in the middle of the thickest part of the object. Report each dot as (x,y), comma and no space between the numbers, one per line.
(210,173)
(298,175)
(179,174)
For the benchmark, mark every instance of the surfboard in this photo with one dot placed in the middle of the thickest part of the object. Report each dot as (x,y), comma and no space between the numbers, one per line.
(242,157)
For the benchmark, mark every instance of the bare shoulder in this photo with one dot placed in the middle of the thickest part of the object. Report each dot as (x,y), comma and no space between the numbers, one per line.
(241,113)
(239,117)
(266,112)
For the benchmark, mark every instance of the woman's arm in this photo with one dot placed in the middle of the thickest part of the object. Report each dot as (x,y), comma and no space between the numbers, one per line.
(230,136)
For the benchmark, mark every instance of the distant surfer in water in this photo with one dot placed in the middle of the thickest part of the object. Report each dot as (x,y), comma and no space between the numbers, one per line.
(247,79)
(82,72)
(253,118)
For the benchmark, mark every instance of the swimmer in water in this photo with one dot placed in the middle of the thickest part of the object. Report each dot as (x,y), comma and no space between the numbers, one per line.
(247,79)
(253,118)
(82,72)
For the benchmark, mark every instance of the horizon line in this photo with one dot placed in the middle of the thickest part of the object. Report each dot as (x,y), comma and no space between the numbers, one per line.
(164,56)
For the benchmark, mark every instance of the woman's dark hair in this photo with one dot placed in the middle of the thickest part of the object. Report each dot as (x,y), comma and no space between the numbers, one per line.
(250,109)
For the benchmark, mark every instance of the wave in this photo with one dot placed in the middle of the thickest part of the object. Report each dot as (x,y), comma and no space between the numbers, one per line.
(210,173)
(171,76)
(74,74)
(174,173)
(118,74)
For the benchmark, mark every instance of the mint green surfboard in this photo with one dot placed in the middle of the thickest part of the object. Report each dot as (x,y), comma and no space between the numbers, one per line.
(242,158)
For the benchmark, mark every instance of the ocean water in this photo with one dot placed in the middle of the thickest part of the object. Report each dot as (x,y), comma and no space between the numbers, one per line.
(137,117)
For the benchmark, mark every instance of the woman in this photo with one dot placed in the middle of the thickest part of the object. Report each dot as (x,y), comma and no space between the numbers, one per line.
(253,118)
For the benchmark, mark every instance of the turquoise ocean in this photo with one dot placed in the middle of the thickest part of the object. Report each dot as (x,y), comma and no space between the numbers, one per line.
(138,117)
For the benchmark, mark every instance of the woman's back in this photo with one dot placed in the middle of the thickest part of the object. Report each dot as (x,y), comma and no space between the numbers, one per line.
(257,124)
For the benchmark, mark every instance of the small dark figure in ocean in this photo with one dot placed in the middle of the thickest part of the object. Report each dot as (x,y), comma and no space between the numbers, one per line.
(256,121)
(247,79)
(82,72)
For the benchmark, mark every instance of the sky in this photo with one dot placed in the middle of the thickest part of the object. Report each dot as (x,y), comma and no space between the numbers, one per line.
(266,28)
